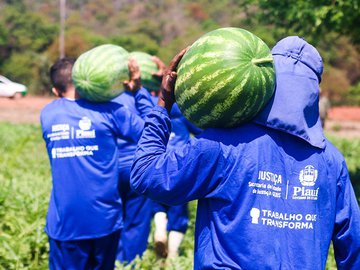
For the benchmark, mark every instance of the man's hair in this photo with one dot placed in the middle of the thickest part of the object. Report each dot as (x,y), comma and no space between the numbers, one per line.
(60,74)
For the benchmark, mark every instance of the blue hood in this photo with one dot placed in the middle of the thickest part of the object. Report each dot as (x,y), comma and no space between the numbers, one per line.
(294,108)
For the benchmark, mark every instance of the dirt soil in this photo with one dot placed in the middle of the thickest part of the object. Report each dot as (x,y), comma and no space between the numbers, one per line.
(342,121)
(22,110)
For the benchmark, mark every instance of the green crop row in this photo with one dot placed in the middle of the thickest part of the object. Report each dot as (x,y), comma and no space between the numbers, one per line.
(25,186)
(24,191)
(350,148)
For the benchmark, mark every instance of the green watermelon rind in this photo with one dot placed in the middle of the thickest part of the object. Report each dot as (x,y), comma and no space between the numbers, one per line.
(147,68)
(225,78)
(98,74)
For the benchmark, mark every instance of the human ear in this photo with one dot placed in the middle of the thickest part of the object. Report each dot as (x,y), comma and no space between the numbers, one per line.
(55,92)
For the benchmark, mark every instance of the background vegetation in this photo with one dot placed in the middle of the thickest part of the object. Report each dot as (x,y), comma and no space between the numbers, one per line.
(29,32)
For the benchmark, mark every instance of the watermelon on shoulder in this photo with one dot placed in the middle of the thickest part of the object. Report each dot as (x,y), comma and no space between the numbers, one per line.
(98,74)
(147,68)
(225,78)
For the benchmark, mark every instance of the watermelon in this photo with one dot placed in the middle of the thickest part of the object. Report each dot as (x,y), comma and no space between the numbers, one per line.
(225,78)
(147,68)
(98,74)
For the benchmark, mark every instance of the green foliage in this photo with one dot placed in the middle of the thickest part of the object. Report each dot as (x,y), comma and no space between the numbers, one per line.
(335,83)
(16,3)
(77,41)
(23,37)
(312,19)
(353,96)
(351,152)
(3,35)
(165,27)
(341,71)
(26,30)
(329,25)
(24,192)
(30,69)
(331,264)
(136,42)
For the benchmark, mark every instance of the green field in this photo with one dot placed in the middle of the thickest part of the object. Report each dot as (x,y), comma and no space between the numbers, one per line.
(24,193)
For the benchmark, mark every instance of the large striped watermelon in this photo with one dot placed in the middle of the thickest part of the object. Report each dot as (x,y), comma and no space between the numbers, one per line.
(225,78)
(147,68)
(98,74)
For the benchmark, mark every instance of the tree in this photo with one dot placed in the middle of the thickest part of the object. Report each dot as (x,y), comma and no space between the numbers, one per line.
(24,31)
(312,19)
(24,36)
(330,25)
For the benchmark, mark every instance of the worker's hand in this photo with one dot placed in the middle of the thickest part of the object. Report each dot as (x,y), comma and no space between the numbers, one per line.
(134,82)
(166,95)
(161,68)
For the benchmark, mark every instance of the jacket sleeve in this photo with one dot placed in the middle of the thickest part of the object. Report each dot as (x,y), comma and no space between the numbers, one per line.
(346,236)
(128,125)
(143,102)
(177,176)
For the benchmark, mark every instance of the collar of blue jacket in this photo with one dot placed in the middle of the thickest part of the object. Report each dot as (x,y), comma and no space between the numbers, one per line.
(294,107)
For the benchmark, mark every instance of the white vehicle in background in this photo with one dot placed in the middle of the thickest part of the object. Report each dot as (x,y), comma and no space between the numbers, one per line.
(11,89)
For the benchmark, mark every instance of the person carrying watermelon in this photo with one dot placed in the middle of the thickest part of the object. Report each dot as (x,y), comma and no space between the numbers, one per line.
(137,208)
(272,193)
(171,221)
(84,218)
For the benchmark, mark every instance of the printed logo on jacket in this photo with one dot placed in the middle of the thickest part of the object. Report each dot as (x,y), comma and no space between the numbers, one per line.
(274,185)
(267,184)
(306,191)
(59,132)
(84,132)
(66,132)
(293,221)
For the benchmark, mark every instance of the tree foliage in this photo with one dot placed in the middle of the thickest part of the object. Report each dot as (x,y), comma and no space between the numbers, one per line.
(312,19)
(332,26)
(29,31)
(24,36)
(25,31)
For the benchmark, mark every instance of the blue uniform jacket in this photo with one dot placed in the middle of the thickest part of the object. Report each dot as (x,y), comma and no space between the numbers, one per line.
(272,193)
(80,137)
(180,133)
(127,147)
(181,129)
